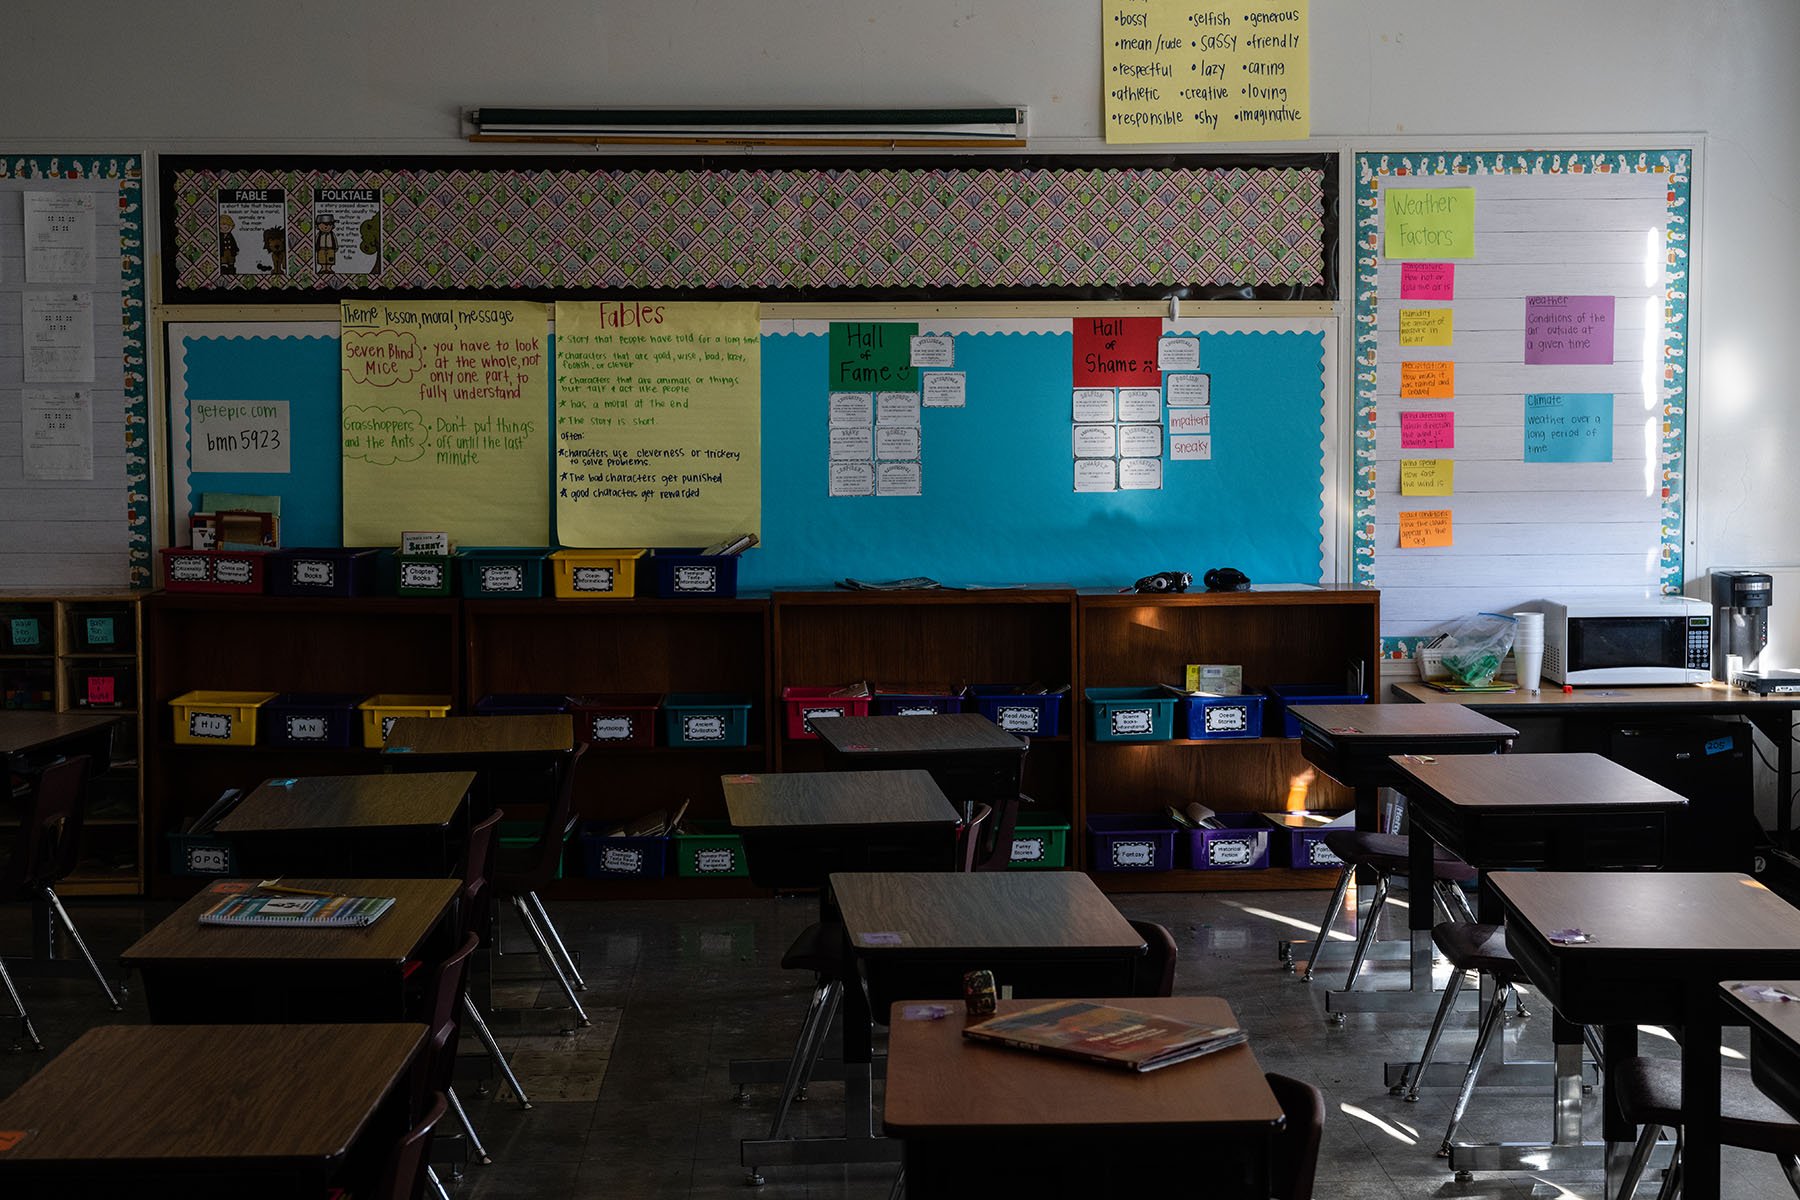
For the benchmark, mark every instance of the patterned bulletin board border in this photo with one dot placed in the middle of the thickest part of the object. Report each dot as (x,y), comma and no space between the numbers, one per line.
(1205,227)
(128,170)
(1677,166)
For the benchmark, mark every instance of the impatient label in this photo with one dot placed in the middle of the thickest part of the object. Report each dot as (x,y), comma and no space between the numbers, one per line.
(621,859)
(1130,721)
(1134,854)
(309,571)
(234,570)
(807,715)
(715,862)
(502,579)
(1019,718)
(306,729)
(24,631)
(209,725)
(100,689)
(1226,718)
(612,729)
(1232,853)
(697,579)
(421,575)
(189,568)
(1028,849)
(593,579)
(704,729)
(209,860)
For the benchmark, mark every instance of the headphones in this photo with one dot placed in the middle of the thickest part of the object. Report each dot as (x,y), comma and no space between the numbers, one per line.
(1164,581)
(1226,579)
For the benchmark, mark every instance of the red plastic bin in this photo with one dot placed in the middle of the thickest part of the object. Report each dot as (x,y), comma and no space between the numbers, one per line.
(616,719)
(802,704)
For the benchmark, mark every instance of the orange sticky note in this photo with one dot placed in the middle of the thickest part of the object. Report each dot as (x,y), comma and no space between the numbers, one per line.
(1427,380)
(1426,527)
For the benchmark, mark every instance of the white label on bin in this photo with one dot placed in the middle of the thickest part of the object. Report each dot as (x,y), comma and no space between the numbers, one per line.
(593,579)
(807,715)
(697,579)
(618,858)
(421,575)
(1318,854)
(502,579)
(722,861)
(209,724)
(1231,852)
(1134,854)
(307,729)
(316,572)
(709,728)
(209,860)
(916,710)
(1226,718)
(387,726)
(189,568)
(1028,849)
(1020,719)
(1133,721)
(611,729)
(234,570)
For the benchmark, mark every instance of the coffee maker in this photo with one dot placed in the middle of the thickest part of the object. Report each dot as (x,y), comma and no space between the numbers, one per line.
(1740,624)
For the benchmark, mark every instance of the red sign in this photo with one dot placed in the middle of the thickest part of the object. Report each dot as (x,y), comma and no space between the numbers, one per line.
(1117,351)
(100,689)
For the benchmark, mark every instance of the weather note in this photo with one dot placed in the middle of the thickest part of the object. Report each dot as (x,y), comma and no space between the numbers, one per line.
(1230,71)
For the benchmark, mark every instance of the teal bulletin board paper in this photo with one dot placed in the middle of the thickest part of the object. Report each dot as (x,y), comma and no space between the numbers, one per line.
(1568,427)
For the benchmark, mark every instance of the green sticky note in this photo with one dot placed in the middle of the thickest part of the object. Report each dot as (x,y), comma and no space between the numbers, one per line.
(24,631)
(1434,223)
(872,356)
(100,631)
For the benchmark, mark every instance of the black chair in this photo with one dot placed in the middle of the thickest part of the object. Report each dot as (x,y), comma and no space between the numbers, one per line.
(1155,974)
(401,1175)
(1296,1153)
(475,914)
(440,1001)
(519,878)
(1650,1095)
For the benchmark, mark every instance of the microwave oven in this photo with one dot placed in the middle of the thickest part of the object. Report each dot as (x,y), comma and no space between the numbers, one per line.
(1657,639)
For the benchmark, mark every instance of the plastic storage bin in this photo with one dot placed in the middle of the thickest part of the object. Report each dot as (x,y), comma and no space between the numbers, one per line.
(323,719)
(521,835)
(1279,722)
(27,684)
(100,630)
(229,572)
(502,572)
(322,571)
(1300,839)
(217,718)
(1208,717)
(624,857)
(381,711)
(103,684)
(709,850)
(899,700)
(521,704)
(595,574)
(25,629)
(616,718)
(705,719)
(1241,844)
(1131,714)
(1039,842)
(684,574)
(1130,842)
(1038,714)
(802,704)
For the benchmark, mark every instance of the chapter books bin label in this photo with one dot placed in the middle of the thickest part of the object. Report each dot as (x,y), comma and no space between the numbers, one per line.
(422,575)
(209,724)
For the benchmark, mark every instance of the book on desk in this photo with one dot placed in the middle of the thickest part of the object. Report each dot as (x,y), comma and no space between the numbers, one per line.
(1102,1033)
(334,912)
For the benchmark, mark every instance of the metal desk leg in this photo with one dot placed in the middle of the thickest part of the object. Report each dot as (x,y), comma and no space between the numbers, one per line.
(1419,995)
(1700,1093)
(1566,1151)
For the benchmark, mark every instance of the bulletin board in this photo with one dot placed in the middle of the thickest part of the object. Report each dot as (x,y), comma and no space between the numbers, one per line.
(1520,364)
(996,502)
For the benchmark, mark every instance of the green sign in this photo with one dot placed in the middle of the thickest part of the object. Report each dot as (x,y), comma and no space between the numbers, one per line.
(1431,223)
(24,631)
(100,631)
(872,356)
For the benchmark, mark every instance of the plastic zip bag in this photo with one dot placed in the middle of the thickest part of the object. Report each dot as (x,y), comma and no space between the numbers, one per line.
(1475,646)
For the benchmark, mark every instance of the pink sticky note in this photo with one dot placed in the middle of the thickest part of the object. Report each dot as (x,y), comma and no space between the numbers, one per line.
(1427,281)
(100,689)
(1427,430)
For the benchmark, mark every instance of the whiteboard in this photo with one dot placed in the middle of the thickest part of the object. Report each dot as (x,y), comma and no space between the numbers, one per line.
(1603,233)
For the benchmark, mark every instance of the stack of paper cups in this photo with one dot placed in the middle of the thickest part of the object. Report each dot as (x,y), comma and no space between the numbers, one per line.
(1528,648)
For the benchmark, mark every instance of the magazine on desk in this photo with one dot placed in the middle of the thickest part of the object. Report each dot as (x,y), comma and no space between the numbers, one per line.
(1118,1037)
(339,912)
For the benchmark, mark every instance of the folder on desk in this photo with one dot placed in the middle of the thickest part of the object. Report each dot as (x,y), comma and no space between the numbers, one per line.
(1118,1037)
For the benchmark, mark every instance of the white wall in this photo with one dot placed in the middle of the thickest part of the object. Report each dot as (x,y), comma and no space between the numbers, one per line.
(389,75)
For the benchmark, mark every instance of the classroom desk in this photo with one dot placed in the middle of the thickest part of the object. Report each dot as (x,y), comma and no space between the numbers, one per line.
(259,975)
(973,760)
(799,828)
(205,1111)
(1661,942)
(351,825)
(1774,1038)
(985,1121)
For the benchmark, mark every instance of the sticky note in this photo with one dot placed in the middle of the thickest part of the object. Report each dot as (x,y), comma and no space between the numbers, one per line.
(1425,326)
(1117,352)
(10,1138)
(1427,281)
(1427,431)
(1428,222)
(1427,380)
(1568,427)
(1568,329)
(1425,527)
(100,689)
(1427,476)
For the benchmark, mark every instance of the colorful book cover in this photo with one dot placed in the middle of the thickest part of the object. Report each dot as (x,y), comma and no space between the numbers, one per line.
(339,911)
(1122,1037)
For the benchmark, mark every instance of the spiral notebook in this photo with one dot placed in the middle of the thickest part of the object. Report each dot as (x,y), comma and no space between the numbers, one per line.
(341,912)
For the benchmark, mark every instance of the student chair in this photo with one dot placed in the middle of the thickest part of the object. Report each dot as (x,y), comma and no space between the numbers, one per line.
(475,914)
(1155,974)
(1296,1153)
(441,1002)
(1650,1095)
(519,878)
(401,1173)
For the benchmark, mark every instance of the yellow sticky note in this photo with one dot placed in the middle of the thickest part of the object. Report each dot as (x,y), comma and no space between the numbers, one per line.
(1427,222)
(1426,527)
(1427,380)
(1425,326)
(1427,476)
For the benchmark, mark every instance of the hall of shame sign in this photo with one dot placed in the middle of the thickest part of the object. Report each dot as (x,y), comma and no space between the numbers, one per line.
(658,423)
(443,421)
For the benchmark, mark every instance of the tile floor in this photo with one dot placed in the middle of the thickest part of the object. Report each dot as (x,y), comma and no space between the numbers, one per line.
(638,1105)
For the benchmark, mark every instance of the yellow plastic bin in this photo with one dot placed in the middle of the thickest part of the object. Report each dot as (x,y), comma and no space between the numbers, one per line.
(380,712)
(595,574)
(217,718)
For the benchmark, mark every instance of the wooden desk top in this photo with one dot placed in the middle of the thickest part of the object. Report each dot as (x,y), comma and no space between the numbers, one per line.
(21,732)
(946,733)
(541,733)
(1780,1018)
(1552,701)
(1520,781)
(207,1096)
(419,904)
(1416,723)
(825,799)
(1671,913)
(991,911)
(316,802)
(940,1083)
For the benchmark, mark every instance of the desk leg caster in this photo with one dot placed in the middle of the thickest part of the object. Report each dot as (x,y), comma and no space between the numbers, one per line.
(1465,1177)
(1336,1018)
(754,1178)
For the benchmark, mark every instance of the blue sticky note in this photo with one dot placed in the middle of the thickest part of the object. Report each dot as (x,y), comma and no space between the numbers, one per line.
(1568,427)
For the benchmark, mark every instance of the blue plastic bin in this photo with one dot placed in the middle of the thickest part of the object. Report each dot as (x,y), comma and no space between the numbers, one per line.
(521,704)
(897,702)
(1202,718)
(1038,714)
(624,857)
(322,719)
(1279,722)
(690,575)
(1130,842)
(1241,844)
